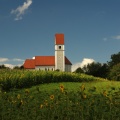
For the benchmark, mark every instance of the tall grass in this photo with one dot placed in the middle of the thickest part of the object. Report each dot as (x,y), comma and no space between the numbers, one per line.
(15,79)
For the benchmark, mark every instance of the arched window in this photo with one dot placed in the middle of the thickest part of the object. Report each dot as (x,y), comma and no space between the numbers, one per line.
(59,47)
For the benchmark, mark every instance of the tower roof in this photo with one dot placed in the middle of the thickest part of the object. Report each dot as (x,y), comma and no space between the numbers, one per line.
(59,39)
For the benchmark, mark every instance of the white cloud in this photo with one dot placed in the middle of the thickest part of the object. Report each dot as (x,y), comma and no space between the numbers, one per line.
(9,65)
(18,60)
(11,60)
(105,39)
(117,37)
(81,64)
(12,66)
(20,11)
(4,59)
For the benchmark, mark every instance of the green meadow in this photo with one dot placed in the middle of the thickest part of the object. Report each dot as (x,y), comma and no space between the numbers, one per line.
(40,95)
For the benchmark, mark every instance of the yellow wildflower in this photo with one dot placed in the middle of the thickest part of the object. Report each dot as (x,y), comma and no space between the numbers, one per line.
(46,103)
(82,87)
(61,88)
(27,91)
(41,106)
(21,102)
(52,97)
(84,96)
(18,96)
(13,101)
(105,93)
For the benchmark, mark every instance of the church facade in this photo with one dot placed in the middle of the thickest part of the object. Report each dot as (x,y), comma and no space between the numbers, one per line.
(57,62)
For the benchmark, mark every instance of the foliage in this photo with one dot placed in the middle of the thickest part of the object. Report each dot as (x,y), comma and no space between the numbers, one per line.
(115,72)
(79,70)
(101,70)
(18,67)
(61,103)
(3,67)
(92,68)
(12,79)
(115,59)
(96,69)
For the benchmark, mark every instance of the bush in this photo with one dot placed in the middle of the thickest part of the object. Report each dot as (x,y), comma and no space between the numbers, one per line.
(115,72)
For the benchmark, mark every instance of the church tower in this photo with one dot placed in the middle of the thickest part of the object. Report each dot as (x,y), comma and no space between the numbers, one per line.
(59,52)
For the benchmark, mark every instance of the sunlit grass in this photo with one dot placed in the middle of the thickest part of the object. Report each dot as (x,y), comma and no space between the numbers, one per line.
(73,86)
(63,101)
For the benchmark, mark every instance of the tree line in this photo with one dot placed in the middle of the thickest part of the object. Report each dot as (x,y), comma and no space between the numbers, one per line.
(109,70)
(16,67)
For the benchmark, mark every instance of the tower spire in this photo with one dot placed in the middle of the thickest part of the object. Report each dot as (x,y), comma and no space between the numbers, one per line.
(59,52)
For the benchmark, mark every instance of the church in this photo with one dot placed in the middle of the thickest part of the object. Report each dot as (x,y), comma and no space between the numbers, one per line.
(57,62)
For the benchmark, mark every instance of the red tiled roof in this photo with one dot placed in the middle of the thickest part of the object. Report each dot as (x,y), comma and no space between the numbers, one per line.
(67,61)
(29,64)
(59,39)
(44,60)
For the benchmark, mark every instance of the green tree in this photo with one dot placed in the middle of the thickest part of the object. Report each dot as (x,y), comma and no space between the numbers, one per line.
(3,67)
(115,72)
(19,67)
(16,67)
(104,70)
(79,70)
(115,59)
(96,69)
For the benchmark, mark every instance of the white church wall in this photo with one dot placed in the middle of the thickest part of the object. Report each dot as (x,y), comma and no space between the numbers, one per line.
(47,68)
(68,68)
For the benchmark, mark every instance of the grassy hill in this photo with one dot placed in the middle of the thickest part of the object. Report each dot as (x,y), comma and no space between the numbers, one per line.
(57,96)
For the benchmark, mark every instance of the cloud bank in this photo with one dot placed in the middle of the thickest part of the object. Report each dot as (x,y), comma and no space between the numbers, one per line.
(12,66)
(85,61)
(4,59)
(117,37)
(18,60)
(11,63)
(20,11)
(10,60)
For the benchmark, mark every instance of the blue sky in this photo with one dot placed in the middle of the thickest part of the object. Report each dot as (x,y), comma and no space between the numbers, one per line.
(28,28)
